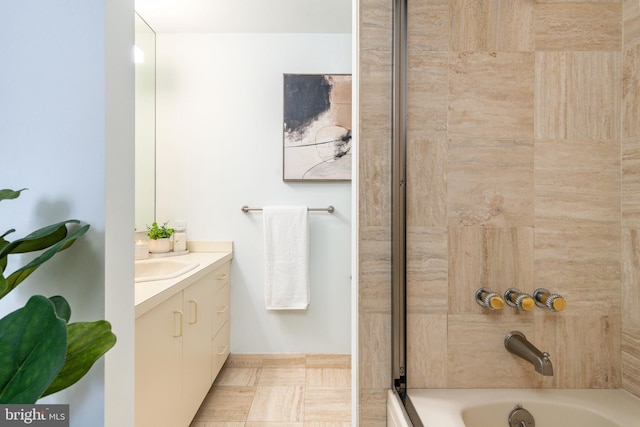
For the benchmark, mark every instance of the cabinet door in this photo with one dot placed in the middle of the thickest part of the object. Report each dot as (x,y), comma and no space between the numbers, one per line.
(220,350)
(221,275)
(221,309)
(158,370)
(198,308)
(221,320)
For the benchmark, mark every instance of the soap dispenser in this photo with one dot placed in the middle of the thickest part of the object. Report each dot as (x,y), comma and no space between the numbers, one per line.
(180,236)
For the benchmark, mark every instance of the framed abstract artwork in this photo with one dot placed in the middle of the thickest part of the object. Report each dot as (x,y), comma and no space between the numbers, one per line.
(317,127)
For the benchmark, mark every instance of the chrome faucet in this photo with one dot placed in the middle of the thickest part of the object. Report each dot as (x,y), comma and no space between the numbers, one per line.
(515,342)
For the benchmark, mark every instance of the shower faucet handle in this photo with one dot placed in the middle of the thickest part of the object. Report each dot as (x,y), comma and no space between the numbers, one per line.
(489,299)
(553,302)
(516,298)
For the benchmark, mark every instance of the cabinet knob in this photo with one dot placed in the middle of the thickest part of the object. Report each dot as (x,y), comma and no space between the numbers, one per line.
(489,299)
(516,298)
(553,302)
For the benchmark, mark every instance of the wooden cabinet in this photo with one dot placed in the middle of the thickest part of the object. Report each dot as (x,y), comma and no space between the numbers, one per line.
(198,305)
(220,321)
(181,345)
(159,364)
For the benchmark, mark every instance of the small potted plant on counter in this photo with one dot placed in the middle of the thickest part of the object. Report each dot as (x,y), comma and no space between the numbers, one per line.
(159,237)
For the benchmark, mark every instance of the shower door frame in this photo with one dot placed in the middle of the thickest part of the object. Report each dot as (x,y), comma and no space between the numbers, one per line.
(399,214)
(398,197)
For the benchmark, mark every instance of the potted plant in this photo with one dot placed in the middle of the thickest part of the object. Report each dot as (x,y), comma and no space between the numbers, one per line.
(41,352)
(159,237)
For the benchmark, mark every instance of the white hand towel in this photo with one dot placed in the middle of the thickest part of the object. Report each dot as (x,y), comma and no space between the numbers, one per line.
(286,256)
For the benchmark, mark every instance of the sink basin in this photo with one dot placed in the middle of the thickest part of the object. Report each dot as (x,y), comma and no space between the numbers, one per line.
(160,269)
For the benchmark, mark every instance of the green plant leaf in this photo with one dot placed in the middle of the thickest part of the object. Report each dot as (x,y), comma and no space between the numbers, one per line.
(87,342)
(4,285)
(3,260)
(6,233)
(39,239)
(62,307)
(10,194)
(156,232)
(22,273)
(33,344)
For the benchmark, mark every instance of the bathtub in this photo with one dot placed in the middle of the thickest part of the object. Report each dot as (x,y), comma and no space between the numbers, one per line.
(491,408)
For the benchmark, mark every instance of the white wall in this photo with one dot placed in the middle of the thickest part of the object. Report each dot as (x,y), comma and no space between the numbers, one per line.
(119,117)
(220,147)
(66,133)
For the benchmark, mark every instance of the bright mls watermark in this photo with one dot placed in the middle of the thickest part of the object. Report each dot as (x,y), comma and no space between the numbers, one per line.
(34,415)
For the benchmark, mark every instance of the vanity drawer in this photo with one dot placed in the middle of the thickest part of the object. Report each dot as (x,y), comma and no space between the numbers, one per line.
(221,276)
(221,308)
(220,347)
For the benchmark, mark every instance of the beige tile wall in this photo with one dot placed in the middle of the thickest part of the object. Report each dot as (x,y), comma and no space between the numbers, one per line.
(523,168)
(630,196)
(374,311)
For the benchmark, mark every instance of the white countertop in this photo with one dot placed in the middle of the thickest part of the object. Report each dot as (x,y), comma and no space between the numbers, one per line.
(149,294)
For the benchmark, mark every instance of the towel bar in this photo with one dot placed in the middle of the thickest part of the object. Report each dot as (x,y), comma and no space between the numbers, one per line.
(329,209)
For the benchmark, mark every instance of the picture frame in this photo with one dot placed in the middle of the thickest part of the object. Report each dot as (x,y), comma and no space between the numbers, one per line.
(317,139)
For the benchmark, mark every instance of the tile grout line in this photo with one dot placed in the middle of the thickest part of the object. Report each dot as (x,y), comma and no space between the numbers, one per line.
(326,373)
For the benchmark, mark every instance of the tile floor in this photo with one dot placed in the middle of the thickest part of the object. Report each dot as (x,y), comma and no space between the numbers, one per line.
(279,391)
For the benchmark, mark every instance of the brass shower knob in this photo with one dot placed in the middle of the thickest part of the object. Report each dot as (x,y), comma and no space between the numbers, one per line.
(553,302)
(489,299)
(516,298)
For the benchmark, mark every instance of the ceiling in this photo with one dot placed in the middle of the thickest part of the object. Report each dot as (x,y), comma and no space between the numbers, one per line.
(246,16)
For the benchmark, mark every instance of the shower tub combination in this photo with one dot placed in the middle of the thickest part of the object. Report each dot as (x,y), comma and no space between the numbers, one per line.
(516,408)
(474,407)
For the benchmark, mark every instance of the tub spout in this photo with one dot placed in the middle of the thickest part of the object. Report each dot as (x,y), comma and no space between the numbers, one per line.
(515,342)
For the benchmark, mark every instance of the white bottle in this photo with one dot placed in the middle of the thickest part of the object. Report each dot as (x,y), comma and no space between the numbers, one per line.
(180,236)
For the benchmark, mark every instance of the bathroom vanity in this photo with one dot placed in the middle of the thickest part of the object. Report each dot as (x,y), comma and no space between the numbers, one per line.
(182,337)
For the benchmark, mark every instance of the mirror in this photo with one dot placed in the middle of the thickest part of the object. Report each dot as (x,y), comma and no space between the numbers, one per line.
(145,152)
